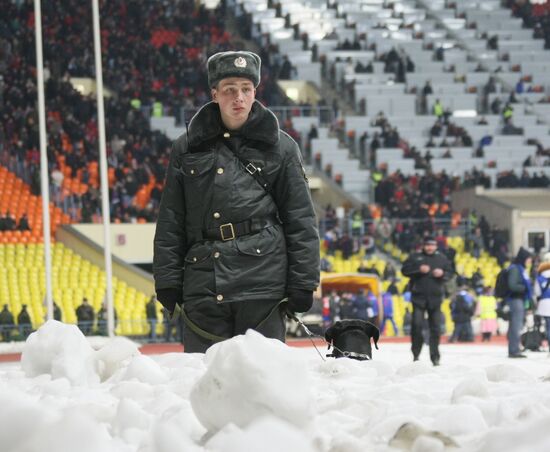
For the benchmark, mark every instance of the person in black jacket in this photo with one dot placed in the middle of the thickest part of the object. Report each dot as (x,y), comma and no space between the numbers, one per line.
(85,317)
(24,322)
(520,293)
(428,271)
(463,306)
(7,323)
(236,232)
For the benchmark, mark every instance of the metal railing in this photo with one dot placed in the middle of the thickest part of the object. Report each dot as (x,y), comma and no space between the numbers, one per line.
(325,115)
(347,224)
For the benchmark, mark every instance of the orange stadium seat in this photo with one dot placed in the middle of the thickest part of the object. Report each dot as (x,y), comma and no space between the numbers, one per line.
(111,177)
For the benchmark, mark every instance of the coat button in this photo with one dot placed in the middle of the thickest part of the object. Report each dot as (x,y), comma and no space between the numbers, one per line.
(216,215)
(226,135)
(194,259)
(216,254)
(220,171)
(219,297)
(192,171)
(258,250)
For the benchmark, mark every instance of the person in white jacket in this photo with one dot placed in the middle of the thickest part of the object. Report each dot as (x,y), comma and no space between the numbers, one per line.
(542,292)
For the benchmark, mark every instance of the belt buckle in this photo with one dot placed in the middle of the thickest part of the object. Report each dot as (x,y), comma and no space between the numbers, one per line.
(251,168)
(232,230)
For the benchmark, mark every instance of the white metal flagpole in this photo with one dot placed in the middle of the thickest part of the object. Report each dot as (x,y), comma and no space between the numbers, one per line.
(103,171)
(44,182)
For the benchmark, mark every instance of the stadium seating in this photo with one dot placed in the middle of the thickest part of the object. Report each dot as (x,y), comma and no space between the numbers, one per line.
(15,198)
(449,44)
(454,74)
(22,277)
(22,281)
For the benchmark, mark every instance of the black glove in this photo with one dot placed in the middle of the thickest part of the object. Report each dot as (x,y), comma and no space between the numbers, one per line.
(169,298)
(299,300)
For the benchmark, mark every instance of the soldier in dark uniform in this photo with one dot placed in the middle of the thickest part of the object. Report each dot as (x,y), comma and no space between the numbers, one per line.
(85,317)
(6,323)
(428,271)
(24,322)
(236,232)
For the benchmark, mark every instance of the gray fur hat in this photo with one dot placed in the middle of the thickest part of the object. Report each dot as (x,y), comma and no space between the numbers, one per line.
(233,64)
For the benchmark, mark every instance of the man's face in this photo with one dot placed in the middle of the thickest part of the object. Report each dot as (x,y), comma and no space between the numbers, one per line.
(430,247)
(235,96)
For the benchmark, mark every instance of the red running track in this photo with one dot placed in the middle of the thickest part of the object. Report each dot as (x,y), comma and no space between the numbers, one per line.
(161,347)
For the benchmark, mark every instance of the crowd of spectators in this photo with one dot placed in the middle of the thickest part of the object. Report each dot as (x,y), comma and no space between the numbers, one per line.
(153,53)
(534,15)
(412,196)
(510,179)
(410,207)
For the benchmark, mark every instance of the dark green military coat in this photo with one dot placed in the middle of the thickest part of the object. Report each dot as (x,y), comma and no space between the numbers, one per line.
(207,186)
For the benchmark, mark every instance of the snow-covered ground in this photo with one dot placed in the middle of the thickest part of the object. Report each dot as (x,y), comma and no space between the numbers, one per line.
(258,395)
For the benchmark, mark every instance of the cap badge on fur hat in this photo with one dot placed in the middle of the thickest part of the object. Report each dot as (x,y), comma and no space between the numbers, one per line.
(240,62)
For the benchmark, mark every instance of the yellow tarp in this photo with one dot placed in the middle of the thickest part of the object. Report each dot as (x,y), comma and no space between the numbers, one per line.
(351,282)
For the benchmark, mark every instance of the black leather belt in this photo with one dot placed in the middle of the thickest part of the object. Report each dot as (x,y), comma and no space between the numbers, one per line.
(230,231)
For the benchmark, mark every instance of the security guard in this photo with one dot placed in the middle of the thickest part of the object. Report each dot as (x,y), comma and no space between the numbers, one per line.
(236,232)
(428,271)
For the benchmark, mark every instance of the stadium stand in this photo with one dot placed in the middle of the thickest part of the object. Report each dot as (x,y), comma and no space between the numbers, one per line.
(21,212)
(444,95)
(400,60)
(74,278)
(22,279)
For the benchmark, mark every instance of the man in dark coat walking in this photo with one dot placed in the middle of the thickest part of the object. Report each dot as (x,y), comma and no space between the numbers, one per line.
(236,232)
(428,271)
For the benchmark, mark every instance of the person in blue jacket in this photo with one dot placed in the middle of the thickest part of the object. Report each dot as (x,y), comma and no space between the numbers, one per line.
(387,305)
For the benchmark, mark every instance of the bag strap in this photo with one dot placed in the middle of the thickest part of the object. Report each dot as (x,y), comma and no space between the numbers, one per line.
(251,169)
(254,171)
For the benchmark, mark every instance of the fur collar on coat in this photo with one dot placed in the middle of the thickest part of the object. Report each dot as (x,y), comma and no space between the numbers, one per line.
(261,125)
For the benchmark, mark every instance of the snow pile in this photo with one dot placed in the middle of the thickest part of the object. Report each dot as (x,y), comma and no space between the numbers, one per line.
(470,388)
(114,355)
(75,431)
(257,394)
(250,377)
(525,438)
(144,369)
(267,434)
(459,420)
(508,373)
(60,350)
(18,410)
